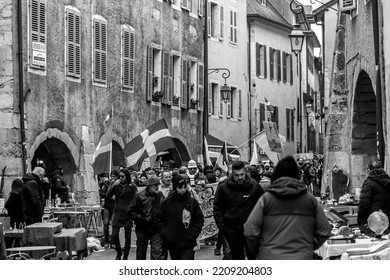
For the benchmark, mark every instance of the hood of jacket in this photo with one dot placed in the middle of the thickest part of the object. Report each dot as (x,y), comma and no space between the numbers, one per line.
(246,185)
(30,177)
(287,186)
(379,176)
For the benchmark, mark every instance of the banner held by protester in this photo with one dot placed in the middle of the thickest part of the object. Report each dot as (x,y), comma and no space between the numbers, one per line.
(206,203)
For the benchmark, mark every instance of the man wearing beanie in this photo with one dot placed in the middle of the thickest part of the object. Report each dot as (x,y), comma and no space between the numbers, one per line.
(233,202)
(287,222)
(181,221)
(144,211)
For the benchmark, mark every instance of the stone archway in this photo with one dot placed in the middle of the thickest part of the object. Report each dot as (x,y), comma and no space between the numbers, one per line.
(364,146)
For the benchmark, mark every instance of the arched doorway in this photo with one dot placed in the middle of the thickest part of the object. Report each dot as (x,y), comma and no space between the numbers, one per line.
(53,152)
(364,125)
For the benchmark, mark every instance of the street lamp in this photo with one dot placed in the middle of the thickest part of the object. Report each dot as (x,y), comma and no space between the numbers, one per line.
(225,89)
(296,39)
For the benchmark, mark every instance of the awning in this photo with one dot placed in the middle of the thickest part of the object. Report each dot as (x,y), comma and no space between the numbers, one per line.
(215,146)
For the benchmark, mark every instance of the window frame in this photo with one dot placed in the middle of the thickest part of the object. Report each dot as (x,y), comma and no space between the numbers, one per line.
(233,27)
(99,81)
(131,58)
(72,76)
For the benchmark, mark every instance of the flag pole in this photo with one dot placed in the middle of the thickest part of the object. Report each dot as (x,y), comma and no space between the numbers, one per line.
(246,142)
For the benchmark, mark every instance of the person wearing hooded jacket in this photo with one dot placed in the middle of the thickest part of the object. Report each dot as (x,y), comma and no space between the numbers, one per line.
(58,185)
(287,223)
(374,195)
(180,221)
(32,196)
(233,202)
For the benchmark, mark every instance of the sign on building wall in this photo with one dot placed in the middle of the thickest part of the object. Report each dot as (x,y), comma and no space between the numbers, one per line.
(38,54)
(273,139)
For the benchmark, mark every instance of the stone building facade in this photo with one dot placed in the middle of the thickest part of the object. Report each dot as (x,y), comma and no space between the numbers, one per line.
(140,59)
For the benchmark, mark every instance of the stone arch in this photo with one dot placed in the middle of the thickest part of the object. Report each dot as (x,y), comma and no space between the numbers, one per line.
(57,135)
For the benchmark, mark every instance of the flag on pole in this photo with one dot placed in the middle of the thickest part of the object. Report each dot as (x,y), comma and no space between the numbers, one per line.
(101,161)
(255,157)
(222,159)
(151,141)
(206,146)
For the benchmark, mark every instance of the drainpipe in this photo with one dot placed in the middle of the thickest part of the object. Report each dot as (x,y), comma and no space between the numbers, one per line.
(250,91)
(21,95)
(205,82)
(378,89)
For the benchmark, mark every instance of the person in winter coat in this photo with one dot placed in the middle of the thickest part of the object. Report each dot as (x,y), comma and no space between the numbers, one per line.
(108,205)
(32,196)
(287,222)
(58,185)
(180,221)
(233,202)
(374,195)
(144,212)
(124,192)
(14,204)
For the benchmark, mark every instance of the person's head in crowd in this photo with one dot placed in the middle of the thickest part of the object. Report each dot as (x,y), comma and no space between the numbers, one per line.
(114,175)
(175,172)
(152,184)
(192,167)
(39,171)
(374,167)
(307,164)
(286,167)
(218,172)
(239,172)
(179,185)
(121,167)
(134,177)
(124,176)
(300,161)
(142,179)
(150,172)
(182,170)
(166,178)
(200,167)
(16,186)
(267,166)
(254,173)
(209,174)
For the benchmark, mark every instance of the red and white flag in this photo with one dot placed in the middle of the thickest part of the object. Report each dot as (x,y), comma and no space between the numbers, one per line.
(102,158)
(151,141)
(222,159)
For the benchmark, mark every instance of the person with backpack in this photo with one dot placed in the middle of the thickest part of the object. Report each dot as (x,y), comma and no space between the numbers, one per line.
(180,221)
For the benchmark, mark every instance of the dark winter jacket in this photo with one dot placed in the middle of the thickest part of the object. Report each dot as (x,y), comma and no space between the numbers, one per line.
(109,203)
(286,223)
(14,206)
(58,186)
(124,194)
(233,203)
(33,201)
(145,209)
(375,195)
(172,229)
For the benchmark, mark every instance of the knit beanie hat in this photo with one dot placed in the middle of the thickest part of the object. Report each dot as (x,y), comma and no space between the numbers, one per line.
(177,181)
(286,167)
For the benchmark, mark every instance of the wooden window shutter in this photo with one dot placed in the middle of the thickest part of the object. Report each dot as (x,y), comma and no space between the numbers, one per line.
(132,58)
(96,50)
(292,124)
(276,116)
(288,124)
(170,81)
(149,73)
(201,86)
(73,48)
(184,84)
(257,59)
(278,55)
(291,69)
(221,22)
(284,57)
(165,75)
(126,58)
(220,104)
(265,61)
(211,103)
(262,116)
(37,28)
(209,19)
(104,52)
(271,63)
(100,51)
(239,104)
(229,106)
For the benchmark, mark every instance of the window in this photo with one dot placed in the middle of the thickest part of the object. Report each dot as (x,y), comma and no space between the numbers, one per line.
(233,27)
(271,63)
(277,65)
(239,116)
(221,23)
(221,103)
(212,19)
(37,34)
(99,50)
(200,86)
(186,4)
(154,72)
(289,124)
(262,115)
(175,74)
(213,98)
(166,62)
(73,38)
(287,68)
(231,103)
(261,60)
(184,83)
(193,84)
(128,58)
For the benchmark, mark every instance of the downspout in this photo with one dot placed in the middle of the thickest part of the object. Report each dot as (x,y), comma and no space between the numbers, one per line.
(21,80)
(250,90)
(378,89)
(206,82)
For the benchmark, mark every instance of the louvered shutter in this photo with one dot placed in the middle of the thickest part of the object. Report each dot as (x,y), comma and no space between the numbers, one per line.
(288,124)
(38,34)
(221,22)
(292,124)
(149,73)
(279,65)
(201,86)
(239,116)
(184,84)
(229,106)
(165,75)
(262,116)
(170,81)
(100,51)
(209,18)
(265,61)
(126,58)
(284,56)
(73,48)
(291,70)
(220,104)
(258,59)
(210,96)
(271,63)
(104,52)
